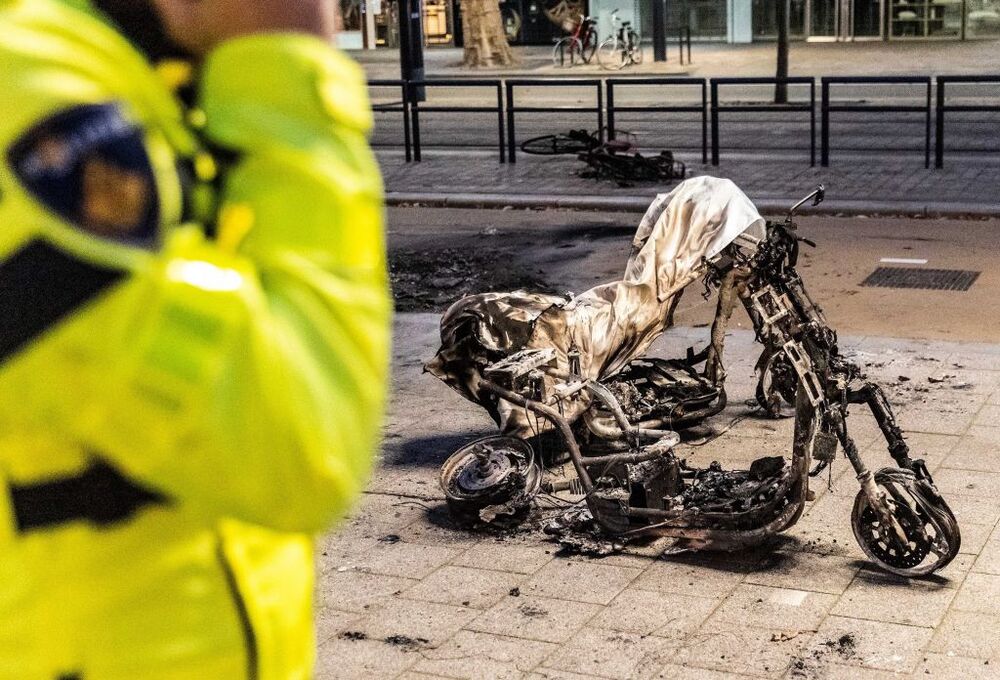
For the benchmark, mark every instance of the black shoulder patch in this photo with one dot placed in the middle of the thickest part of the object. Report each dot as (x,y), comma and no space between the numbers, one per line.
(89,165)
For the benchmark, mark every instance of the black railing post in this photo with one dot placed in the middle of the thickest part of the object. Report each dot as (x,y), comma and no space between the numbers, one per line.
(812,123)
(939,126)
(414,100)
(825,124)
(500,130)
(405,106)
(687,31)
(715,122)
(927,129)
(704,122)
(600,110)
(610,85)
(511,143)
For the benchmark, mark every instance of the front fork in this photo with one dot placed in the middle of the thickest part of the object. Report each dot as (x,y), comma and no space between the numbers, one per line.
(776,312)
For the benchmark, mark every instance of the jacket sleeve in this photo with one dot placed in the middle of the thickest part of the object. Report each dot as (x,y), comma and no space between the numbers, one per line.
(257,391)
(301,407)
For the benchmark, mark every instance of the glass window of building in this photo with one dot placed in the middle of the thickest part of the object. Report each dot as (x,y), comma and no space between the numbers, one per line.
(925,18)
(982,19)
(765,26)
(707,18)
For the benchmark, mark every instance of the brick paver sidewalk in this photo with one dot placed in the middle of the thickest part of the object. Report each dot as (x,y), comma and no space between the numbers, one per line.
(403,594)
(719,59)
(878,184)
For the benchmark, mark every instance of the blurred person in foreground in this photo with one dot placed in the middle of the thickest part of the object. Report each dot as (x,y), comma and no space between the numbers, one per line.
(194,335)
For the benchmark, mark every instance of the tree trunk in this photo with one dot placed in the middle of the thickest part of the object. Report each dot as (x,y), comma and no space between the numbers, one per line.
(485,40)
(781,16)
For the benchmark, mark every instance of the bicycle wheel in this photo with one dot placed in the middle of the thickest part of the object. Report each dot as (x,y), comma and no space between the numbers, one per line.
(611,54)
(567,52)
(553,145)
(589,45)
(636,52)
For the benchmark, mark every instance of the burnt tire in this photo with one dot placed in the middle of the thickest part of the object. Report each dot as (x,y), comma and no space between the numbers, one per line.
(933,538)
(492,477)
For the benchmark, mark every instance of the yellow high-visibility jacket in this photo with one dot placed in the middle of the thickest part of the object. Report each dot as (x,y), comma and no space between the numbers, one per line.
(178,413)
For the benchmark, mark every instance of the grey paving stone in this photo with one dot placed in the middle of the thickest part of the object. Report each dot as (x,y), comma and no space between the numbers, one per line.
(535,618)
(651,613)
(330,622)
(979,593)
(874,644)
(989,416)
(828,670)
(354,591)
(967,634)
(408,560)
(505,555)
(483,656)
(476,588)
(427,622)
(344,659)
(740,649)
(965,483)
(677,672)
(579,581)
(988,560)
(945,667)
(879,597)
(766,607)
(612,654)
(805,571)
(553,674)
(974,537)
(703,575)
(972,510)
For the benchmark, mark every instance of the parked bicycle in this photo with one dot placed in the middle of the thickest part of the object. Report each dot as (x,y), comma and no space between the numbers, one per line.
(622,48)
(578,47)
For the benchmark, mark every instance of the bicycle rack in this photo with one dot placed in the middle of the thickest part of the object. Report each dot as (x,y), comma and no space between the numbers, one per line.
(416,108)
(716,108)
(513,109)
(943,106)
(612,83)
(827,107)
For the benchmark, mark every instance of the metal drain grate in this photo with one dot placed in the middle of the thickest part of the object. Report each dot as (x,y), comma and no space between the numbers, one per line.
(927,279)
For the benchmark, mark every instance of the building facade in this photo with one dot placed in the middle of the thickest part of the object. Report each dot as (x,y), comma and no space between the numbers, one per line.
(528,22)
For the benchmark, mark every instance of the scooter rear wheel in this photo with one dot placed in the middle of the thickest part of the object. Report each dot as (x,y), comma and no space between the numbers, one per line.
(932,535)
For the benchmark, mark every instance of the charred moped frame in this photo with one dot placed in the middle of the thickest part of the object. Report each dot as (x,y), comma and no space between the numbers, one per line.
(624,461)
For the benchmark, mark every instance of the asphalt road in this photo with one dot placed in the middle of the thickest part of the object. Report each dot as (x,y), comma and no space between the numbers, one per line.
(440,254)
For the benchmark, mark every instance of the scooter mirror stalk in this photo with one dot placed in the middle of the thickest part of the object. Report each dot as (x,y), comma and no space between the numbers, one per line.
(816,195)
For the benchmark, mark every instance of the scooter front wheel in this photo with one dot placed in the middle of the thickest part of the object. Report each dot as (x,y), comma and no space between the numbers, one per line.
(931,538)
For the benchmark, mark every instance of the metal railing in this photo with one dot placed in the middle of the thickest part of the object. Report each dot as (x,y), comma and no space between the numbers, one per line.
(717,108)
(402,106)
(943,107)
(416,108)
(607,95)
(827,107)
(613,108)
(513,108)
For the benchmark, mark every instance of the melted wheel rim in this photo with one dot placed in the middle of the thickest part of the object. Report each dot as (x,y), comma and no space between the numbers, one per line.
(932,538)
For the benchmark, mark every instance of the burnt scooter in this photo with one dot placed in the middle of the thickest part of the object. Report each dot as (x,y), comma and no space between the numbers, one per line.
(619,429)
